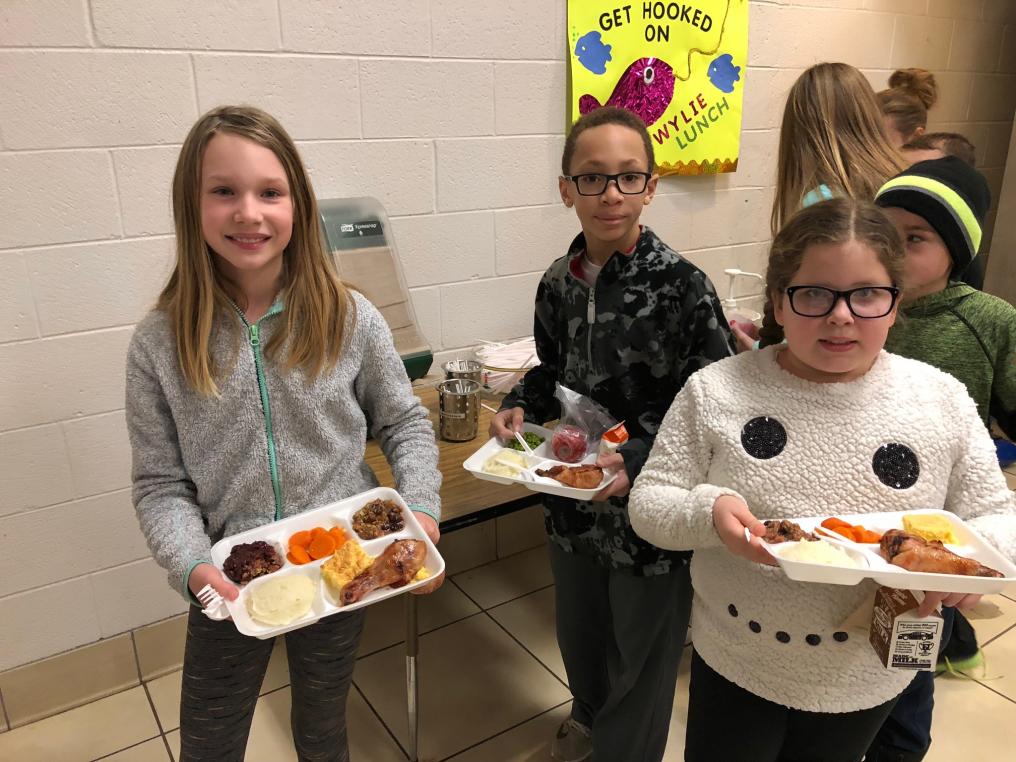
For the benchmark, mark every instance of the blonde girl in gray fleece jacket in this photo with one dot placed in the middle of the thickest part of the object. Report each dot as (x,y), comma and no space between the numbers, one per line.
(249,387)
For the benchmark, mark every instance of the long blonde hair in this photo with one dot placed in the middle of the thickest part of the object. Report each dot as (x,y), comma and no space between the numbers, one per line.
(832,134)
(837,220)
(317,301)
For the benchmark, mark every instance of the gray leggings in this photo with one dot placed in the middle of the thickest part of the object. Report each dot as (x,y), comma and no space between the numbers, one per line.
(222,675)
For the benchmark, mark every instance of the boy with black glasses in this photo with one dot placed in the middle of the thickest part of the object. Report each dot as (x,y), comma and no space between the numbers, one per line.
(625,320)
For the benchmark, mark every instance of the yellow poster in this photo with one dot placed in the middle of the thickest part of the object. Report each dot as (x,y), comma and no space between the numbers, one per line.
(679,66)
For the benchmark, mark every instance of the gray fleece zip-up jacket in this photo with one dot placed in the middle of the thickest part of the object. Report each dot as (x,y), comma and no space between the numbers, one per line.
(272,444)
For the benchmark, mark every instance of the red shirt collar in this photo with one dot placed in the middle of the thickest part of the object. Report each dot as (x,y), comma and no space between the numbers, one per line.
(576,262)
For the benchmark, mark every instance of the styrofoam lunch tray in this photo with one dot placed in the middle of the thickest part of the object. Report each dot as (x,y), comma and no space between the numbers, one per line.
(326,600)
(874,566)
(544,459)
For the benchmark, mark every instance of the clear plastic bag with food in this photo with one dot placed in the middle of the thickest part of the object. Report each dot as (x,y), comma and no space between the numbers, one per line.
(581,425)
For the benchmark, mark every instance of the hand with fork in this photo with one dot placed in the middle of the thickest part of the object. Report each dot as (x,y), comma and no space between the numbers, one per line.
(212,590)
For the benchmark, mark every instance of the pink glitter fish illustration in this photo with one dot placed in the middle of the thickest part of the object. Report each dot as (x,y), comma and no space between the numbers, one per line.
(646,88)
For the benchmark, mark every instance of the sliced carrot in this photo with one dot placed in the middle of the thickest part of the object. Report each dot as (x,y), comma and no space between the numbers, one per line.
(845,531)
(833,522)
(322,545)
(871,537)
(317,532)
(300,540)
(298,555)
(339,536)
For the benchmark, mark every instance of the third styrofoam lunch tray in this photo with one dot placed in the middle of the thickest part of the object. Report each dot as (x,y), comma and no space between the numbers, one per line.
(326,602)
(873,566)
(544,459)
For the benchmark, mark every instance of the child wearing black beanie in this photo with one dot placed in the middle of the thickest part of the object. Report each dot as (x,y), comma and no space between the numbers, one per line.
(939,206)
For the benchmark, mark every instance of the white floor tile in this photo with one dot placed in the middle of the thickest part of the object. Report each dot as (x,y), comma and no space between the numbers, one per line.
(386,621)
(1000,667)
(528,742)
(475,681)
(971,723)
(165,693)
(991,617)
(507,578)
(530,620)
(149,751)
(84,733)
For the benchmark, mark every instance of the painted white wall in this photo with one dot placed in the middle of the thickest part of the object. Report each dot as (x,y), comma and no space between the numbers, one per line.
(449,111)
(1000,279)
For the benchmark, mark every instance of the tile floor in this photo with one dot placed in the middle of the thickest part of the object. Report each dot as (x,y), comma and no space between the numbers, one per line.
(492,688)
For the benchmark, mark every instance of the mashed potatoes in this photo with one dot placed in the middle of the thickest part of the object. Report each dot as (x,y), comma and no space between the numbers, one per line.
(506,463)
(930,526)
(280,600)
(817,552)
(347,562)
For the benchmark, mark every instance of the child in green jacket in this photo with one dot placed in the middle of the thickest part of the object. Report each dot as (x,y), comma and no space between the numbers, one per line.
(938,206)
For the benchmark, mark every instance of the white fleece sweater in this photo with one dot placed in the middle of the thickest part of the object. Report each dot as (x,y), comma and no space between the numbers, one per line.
(786,641)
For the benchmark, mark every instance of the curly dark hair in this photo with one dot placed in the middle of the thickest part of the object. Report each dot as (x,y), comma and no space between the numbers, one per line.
(601,116)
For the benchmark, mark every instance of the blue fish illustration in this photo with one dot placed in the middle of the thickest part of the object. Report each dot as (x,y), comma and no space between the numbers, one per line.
(723,74)
(592,53)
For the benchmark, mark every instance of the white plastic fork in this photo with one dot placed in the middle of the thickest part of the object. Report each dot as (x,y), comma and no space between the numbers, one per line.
(525,445)
(828,534)
(214,607)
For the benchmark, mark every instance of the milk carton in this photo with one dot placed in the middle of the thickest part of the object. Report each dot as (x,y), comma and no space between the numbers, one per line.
(901,639)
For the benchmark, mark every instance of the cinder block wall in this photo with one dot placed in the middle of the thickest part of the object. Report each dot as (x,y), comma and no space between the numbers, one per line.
(449,111)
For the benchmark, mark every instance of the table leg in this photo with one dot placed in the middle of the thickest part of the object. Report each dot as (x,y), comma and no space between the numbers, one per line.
(412,687)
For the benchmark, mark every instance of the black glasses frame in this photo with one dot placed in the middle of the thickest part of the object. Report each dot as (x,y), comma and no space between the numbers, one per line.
(846,296)
(646,176)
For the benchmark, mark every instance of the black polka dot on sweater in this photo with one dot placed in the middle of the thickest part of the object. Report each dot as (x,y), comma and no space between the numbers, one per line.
(812,640)
(763,438)
(783,637)
(732,609)
(754,627)
(840,637)
(896,465)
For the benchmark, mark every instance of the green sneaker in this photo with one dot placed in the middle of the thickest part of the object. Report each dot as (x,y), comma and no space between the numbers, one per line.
(572,742)
(962,667)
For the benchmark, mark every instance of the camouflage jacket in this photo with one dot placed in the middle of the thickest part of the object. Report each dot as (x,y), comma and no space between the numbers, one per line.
(630,342)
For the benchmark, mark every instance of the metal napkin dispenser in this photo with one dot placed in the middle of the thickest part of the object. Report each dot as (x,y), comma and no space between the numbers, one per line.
(360,238)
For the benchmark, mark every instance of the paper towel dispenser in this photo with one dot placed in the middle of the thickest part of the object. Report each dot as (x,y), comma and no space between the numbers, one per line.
(359,235)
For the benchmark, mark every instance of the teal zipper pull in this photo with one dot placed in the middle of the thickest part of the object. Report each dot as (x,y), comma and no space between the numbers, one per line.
(254,335)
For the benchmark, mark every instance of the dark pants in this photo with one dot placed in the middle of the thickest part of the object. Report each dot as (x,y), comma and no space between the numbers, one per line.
(906,734)
(621,638)
(222,675)
(726,722)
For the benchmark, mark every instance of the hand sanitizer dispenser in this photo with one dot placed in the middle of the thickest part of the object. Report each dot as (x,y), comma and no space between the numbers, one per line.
(731,308)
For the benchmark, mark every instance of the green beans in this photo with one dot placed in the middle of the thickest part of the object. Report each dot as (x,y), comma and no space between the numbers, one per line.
(533,440)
